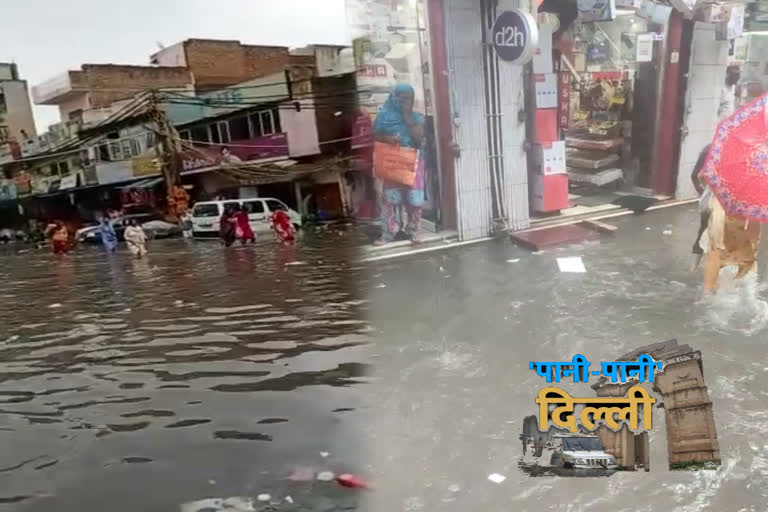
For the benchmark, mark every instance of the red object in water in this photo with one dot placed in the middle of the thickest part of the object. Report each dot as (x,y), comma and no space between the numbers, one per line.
(352,481)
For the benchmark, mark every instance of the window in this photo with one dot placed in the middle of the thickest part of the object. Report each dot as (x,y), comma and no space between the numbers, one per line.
(255,123)
(254,207)
(276,120)
(127,147)
(206,210)
(275,205)
(115,151)
(214,134)
(185,135)
(64,167)
(267,126)
(238,129)
(266,122)
(223,127)
(200,134)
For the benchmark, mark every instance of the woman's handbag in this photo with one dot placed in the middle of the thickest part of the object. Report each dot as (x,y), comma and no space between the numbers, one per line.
(395,164)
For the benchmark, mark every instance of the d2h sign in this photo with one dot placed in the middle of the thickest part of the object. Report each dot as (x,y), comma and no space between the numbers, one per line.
(515,36)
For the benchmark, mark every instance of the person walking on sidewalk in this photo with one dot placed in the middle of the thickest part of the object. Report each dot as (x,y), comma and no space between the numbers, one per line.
(397,124)
(136,239)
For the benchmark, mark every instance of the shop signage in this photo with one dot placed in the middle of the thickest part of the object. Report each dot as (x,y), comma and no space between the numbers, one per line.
(644,47)
(67,182)
(515,36)
(250,150)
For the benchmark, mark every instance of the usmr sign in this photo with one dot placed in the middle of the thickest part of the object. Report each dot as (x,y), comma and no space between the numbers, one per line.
(515,36)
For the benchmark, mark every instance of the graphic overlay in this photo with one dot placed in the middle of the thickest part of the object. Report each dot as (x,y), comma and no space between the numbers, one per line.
(609,432)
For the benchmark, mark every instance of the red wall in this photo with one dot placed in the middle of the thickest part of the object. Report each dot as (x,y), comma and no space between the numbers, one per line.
(668,136)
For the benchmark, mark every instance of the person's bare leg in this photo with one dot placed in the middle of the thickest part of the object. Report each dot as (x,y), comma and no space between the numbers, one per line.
(711,270)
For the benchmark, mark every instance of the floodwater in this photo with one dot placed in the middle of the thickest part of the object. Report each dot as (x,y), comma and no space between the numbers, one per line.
(456,331)
(195,373)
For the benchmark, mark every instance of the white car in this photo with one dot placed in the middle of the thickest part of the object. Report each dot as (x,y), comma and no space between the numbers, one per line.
(206,215)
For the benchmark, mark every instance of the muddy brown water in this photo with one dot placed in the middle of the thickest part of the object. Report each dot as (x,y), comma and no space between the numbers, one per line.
(197,372)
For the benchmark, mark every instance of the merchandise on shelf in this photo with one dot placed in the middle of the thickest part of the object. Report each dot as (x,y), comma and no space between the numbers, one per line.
(591,159)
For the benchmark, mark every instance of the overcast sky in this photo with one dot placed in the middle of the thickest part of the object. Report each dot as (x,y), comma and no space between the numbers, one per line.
(48,37)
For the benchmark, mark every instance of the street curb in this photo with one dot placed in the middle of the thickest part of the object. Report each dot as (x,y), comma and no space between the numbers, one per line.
(451,245)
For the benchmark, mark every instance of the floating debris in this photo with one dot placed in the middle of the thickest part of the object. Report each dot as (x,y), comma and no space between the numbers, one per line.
(234,504)
(353,481)
(514,260)
(666,232)
(496,478)
(295,263)
(324,454)
(264,497)
(325,476)
(571,265)
(381,285)
(56,305)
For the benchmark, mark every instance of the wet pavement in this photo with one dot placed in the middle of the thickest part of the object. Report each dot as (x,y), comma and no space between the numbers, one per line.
(457,329)
(196,373)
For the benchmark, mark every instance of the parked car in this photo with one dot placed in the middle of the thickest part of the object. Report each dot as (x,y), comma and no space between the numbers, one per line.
(154,226)
(206,215)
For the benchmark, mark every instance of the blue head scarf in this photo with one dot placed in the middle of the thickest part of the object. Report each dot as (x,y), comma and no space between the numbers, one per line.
(389,120)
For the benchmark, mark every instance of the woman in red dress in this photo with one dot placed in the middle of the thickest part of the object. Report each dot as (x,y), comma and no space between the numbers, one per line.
(244,231)
(283,227)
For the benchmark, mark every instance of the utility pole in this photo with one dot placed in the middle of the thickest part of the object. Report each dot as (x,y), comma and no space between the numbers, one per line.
(168,145)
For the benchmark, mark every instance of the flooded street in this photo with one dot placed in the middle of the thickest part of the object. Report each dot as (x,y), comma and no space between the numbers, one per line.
(196,373)
(455,385)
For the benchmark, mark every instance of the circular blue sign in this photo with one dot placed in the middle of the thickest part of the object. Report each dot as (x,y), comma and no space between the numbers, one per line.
(515,36)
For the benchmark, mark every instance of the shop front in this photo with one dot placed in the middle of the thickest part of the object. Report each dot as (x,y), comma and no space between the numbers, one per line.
(391,46)
(471,155)
(598,105)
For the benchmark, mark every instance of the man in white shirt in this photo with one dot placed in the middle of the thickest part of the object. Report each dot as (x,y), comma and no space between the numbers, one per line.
(728,93)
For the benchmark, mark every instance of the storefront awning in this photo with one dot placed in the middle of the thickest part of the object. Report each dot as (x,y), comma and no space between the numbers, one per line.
(149,183)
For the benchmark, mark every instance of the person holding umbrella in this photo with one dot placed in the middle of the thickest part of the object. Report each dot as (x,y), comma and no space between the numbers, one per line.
(736,171)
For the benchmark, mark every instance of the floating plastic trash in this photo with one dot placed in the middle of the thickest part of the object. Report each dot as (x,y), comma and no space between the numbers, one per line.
(352,481)
(572,265)
(325,476)
(496,478)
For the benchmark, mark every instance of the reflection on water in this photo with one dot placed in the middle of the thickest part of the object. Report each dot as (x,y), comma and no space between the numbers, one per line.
(194,365)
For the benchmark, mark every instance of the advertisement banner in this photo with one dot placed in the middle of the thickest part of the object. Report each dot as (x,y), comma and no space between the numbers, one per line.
(251,150)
